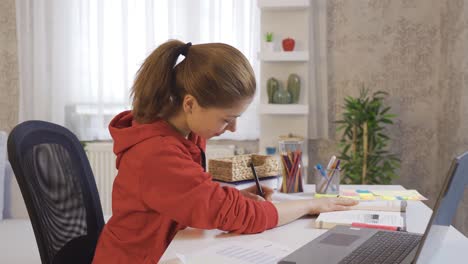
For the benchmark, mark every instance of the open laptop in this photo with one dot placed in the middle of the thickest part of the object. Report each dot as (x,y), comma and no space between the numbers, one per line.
(343,244)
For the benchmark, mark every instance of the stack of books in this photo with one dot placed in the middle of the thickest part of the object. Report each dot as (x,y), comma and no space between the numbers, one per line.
(388,215)
(271,182)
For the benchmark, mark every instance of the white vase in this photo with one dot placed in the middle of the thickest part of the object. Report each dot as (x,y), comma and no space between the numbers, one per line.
(269,46)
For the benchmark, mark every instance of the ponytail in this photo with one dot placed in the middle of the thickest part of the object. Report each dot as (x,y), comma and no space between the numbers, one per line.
(216,74)
(151,92)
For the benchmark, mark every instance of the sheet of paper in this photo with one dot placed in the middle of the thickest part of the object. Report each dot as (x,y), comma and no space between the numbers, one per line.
(391,206)
(361,216)
(370,195)
(256,252)
(281,197)
(400,195)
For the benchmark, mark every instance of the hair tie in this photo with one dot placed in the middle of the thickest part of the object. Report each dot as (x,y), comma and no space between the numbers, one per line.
(185,49)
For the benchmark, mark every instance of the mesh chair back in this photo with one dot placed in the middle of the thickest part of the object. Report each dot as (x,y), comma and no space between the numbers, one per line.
(59,190)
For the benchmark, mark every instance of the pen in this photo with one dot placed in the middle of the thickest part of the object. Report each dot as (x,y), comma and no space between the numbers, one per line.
(329,168)
(336,167)
(257,182)
(322,171)
(330,163)
(384,227)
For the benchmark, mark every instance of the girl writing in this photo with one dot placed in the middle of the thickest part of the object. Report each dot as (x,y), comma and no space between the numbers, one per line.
(162,186)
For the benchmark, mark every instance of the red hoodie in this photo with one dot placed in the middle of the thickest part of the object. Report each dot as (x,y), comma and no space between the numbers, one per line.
(161,187)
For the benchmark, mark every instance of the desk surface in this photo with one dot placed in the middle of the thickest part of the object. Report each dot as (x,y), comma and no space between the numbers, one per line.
(301,231)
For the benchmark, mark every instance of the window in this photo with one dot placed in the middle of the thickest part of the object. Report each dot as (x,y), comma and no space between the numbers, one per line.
(78,59)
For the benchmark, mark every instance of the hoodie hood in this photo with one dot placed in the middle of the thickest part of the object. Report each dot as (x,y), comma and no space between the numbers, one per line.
(126,132)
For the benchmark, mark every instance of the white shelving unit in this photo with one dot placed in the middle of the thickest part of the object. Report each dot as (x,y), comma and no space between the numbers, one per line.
(285,18)
(283,4)
(284,56)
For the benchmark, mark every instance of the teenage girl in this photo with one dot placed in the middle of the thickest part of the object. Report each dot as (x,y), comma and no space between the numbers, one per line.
(162,185)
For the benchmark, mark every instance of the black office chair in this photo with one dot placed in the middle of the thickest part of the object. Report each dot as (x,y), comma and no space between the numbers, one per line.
(59,190)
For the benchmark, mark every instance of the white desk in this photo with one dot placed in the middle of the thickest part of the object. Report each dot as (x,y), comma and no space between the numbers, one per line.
(301,231)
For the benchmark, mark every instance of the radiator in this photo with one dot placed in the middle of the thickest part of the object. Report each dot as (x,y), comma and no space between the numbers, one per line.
(102,161)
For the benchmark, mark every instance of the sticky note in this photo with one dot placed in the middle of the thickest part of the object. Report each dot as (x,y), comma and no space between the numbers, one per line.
(319,195)
(362,191)
(367,196)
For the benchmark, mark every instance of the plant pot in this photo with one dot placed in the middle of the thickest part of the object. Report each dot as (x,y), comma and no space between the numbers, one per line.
(269,46)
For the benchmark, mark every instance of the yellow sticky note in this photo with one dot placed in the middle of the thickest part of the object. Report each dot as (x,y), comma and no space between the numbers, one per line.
(319,195)
(365,196)
(350,197)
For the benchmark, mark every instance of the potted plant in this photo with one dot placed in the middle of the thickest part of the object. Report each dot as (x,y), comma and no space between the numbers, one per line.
(365,158)
(269,44)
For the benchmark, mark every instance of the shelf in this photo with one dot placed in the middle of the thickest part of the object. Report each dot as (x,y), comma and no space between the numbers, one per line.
(283,4)
(284,56)
(284,109)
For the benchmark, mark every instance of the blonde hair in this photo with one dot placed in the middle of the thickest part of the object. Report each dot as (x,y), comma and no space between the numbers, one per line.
(216,74)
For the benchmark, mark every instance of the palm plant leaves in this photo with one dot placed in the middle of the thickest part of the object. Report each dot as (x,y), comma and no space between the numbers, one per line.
(378,163)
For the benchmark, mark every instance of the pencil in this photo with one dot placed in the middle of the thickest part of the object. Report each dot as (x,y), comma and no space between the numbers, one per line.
(333,174)
(257,182)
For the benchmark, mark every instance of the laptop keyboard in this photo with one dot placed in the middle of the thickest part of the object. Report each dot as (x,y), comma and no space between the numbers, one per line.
(383,247)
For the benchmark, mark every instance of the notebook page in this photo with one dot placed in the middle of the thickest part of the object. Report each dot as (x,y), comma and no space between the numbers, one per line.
(391,206)
(256,252)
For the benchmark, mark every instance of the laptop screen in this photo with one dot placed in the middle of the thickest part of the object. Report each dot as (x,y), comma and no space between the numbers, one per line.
(444,209)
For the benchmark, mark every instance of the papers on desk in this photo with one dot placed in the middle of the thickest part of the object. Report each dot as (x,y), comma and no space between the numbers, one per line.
(256,252)
(370,195)
(388,206)
(373,205)
(361,195)
(282,197)
(331,219)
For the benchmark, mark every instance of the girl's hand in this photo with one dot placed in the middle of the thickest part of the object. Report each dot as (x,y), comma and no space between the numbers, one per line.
(252,193)
(323,205)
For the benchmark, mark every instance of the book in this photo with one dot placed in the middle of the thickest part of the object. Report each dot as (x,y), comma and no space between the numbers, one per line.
(387,206)
(271,182)
(377,218)
(372,205)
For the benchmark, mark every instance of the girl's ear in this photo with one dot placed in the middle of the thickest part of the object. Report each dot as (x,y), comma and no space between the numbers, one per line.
(189,103)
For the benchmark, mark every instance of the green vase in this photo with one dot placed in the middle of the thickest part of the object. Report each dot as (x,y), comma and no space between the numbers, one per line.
(272,87)
(282,96)
(294,87)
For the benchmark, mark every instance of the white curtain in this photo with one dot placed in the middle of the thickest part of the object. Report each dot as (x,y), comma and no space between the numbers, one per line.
(78,58)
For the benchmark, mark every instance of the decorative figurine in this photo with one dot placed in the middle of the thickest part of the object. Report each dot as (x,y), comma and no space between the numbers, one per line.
(294,87)
(288,44)
(272,87)
(282,96)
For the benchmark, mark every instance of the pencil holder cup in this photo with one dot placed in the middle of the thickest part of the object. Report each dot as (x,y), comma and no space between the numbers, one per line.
(327,181)
(292,169)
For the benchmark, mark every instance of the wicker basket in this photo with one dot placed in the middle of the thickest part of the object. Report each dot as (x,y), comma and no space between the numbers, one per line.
(237,168)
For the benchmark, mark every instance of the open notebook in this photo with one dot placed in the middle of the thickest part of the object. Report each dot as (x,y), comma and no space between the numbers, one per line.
(258,251)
